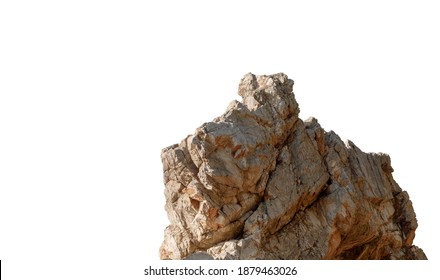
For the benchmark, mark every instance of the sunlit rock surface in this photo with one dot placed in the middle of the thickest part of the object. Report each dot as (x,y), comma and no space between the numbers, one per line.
(259,183)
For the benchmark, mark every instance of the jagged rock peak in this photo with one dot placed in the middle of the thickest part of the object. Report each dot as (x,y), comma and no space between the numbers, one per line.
(260,183)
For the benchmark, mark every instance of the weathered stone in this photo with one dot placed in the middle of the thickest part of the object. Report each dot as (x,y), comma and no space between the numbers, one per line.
(199,256)
(260,183)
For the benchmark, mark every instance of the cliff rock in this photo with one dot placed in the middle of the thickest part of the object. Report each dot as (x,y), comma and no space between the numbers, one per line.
(260,183)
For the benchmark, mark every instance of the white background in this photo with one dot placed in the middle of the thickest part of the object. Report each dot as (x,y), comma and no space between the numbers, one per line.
(91,91)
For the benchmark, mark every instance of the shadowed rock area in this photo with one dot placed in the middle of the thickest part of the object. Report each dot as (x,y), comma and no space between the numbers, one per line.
(199,256)
(260,183)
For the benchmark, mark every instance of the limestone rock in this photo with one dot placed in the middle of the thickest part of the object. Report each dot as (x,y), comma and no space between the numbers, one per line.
(260,183)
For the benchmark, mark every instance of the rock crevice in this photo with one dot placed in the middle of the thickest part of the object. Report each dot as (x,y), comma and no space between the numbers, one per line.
(260,183)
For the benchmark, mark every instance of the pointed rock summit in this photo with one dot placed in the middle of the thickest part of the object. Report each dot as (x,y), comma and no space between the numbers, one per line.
(260,183)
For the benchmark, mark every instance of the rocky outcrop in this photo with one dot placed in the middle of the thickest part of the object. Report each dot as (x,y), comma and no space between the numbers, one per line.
(260,183)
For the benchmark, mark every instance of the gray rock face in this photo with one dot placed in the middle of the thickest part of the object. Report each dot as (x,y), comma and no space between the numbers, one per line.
(199,256)
(260,183)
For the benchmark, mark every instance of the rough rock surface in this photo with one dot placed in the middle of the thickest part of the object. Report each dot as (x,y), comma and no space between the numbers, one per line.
(260,183)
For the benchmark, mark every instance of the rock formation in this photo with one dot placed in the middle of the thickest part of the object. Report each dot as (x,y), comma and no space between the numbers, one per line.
(260,183)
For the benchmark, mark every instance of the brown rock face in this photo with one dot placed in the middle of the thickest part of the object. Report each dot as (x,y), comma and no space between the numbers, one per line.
(260,183)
